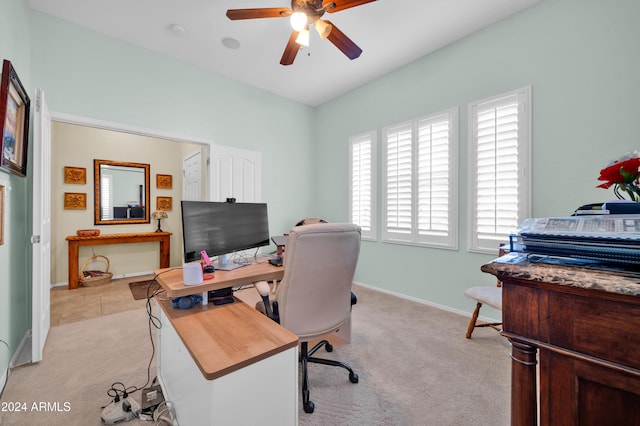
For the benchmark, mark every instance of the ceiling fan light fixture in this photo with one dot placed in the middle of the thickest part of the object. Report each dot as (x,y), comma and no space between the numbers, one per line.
(298,21)
(303,38)
(324,28)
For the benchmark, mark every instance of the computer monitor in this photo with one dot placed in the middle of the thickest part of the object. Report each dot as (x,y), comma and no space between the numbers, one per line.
(220,228)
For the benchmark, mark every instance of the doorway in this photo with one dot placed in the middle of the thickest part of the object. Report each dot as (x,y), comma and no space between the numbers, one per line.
(77,143)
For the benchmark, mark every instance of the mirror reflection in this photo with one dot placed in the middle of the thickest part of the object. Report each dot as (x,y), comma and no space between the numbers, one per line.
(121,192)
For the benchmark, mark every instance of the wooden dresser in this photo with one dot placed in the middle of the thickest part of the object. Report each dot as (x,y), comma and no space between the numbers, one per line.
(582,327)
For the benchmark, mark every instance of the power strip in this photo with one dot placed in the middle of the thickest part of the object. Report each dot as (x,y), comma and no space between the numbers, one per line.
(121,411)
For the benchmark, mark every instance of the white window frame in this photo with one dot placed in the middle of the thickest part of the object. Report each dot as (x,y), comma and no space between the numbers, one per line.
(489,242)
(369,184)
(407,214)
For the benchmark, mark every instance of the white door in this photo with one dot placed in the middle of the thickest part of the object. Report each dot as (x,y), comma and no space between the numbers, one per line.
(235,173)
(41,239)
(192,176)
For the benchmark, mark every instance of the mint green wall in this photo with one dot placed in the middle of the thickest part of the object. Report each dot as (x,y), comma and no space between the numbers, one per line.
(87,74)
(15,253)
(579,56)
(581,59)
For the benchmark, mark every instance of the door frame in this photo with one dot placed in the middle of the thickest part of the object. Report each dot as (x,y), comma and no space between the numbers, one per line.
(124,128)
(41,223)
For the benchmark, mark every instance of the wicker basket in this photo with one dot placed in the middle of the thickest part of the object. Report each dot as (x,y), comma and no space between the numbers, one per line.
(95,278)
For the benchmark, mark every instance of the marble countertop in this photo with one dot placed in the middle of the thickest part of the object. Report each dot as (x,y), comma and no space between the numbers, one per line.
(612,280)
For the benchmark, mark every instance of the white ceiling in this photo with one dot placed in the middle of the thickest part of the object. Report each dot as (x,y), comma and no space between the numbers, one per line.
(391,33)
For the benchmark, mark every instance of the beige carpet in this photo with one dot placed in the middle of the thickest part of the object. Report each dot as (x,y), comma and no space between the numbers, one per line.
(414,363)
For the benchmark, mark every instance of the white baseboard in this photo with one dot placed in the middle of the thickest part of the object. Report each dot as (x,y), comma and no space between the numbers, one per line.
(425,302)
(20,357)
(15,359)
(5,373)
(115,277)
(3,380)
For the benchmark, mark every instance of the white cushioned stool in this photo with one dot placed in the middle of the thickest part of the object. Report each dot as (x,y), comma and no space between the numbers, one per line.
(491,296)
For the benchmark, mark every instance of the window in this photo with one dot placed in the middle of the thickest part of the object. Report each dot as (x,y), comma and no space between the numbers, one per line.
(106,196)
(499,168)
(362,183)
(420,181)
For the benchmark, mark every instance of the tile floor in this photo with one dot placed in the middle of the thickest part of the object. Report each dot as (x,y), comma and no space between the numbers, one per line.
(90,302)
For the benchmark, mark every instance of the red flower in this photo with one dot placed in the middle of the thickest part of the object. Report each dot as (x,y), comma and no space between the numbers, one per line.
(620,172)
(624,176)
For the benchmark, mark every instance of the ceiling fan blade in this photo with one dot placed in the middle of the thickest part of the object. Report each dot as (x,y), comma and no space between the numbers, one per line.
(291,50)
(344,43)
(345,4)
(265,12)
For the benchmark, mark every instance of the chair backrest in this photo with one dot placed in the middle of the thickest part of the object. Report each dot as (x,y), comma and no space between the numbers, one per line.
(314,296)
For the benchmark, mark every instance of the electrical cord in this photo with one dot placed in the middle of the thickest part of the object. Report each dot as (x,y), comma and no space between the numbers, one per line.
(266,257)
(240,259)
(6,379)
(118,390)
(165,414)
(154,322)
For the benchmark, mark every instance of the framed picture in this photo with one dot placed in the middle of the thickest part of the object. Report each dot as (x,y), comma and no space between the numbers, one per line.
(14,121)
(164,181)
(163,203)
(1,215)
(75,201)
(76,175)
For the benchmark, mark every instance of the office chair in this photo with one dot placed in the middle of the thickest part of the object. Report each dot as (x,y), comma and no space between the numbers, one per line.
(314,297)
(491,296)
(311,221)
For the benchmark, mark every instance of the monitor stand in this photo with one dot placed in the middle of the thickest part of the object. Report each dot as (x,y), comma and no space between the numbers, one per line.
(229,266)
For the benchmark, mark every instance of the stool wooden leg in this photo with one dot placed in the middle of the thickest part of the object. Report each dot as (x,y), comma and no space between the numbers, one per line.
(474,318)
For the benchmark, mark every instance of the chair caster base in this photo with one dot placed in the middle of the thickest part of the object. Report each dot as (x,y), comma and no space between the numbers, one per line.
(353,377)
(309,407)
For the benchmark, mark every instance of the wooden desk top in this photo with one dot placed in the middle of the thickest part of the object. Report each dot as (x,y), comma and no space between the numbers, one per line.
(170,279)
(222,339)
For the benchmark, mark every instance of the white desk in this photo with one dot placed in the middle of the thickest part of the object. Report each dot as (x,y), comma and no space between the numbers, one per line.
(228,364)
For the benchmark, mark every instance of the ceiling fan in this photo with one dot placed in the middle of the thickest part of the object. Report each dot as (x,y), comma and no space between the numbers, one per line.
(304,13)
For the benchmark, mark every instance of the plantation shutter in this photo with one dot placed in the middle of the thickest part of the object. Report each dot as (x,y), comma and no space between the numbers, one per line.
(500,132)
(433,178)
(398,183)
(106,197)
(362,184)
(421,181)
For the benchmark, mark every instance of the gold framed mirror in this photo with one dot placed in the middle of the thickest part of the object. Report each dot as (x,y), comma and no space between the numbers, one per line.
(121,192)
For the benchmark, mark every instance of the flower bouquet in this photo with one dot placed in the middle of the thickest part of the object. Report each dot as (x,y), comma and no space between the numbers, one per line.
(624,175)
(159,215)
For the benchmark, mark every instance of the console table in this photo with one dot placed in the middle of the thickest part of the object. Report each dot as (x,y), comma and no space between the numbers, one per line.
(144,237)
(583,327)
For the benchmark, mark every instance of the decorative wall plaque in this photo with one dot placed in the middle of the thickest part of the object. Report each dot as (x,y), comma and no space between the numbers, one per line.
(163,203)
(75,201)
(77,175)
(164,181)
